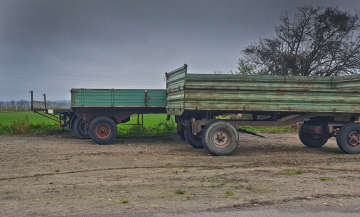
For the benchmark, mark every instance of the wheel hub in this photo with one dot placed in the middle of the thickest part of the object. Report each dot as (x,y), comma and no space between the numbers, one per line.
(221,139)
(354,139)
(103,131)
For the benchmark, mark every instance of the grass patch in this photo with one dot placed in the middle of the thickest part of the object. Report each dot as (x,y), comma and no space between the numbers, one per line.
(57,171)
(326,179)
(154,125)
(286,129)
(30,123)
(20,126)
(298,172)
(179,191)
(229,194)
(125,201)
(27,123)
(345,195)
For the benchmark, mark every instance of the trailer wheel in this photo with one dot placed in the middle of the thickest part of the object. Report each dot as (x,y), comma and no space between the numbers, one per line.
(79,129)
(220,138)
(181,131)
(102,130)
(312,140)
(193,140)
(348,138)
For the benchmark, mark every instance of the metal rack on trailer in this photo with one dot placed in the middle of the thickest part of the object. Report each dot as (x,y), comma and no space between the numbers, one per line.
(42,109)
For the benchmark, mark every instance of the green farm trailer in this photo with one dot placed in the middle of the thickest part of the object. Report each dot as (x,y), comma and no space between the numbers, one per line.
(326,106)
(95,113)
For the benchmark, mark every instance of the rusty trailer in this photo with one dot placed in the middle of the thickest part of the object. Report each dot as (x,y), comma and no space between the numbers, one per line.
(327,106)
(202,104)
(94,113)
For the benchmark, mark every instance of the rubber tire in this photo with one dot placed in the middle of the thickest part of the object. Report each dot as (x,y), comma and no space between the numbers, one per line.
(342,137)
(78,128)
(107,122)
(193,140)
(181,134)
(311,142)
(180,131)
(209,133)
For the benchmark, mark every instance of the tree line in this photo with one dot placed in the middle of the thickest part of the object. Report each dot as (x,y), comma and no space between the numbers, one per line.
(49,104)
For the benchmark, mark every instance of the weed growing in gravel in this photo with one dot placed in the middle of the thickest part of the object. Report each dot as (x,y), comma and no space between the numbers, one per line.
(326,179)
(345,195)
(298,172)
(125,201)
(179,191)
(229,194)
(57,171)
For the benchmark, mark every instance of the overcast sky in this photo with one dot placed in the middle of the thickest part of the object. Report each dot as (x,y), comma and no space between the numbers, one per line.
(51,46)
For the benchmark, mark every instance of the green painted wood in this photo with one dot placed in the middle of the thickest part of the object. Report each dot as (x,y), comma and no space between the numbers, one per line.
(261,93)
(117,98)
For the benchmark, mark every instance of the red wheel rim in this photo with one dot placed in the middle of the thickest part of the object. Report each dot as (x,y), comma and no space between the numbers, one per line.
(103,131)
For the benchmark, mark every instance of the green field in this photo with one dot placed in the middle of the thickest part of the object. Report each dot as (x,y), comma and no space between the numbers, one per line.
(154,124)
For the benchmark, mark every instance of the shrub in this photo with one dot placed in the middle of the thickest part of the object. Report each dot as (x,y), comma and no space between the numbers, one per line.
(21,126)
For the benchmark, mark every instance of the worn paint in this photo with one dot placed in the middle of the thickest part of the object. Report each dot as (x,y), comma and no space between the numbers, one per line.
(117,98)
(186,92)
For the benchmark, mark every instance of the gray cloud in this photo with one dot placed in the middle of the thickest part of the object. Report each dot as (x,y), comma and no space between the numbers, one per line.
(51,46)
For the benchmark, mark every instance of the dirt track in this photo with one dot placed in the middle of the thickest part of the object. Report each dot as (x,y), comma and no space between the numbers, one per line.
(59,175)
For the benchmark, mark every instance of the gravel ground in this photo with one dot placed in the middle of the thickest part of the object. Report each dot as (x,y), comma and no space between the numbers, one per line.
(56,175)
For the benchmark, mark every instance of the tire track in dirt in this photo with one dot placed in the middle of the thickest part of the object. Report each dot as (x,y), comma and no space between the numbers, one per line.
(258,203)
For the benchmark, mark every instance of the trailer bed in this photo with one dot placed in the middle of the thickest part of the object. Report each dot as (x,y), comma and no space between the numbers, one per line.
(225,92)
(117,98)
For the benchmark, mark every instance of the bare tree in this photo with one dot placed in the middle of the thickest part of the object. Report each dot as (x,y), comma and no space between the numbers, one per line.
(322,41)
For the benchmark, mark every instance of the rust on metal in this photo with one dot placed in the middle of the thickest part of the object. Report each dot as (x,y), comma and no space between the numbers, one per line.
(353,139)
(224,92)
(103,131)
(221,138)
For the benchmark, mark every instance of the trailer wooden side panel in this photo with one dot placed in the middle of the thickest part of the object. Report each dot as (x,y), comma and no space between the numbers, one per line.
(225,92)
(106,98)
